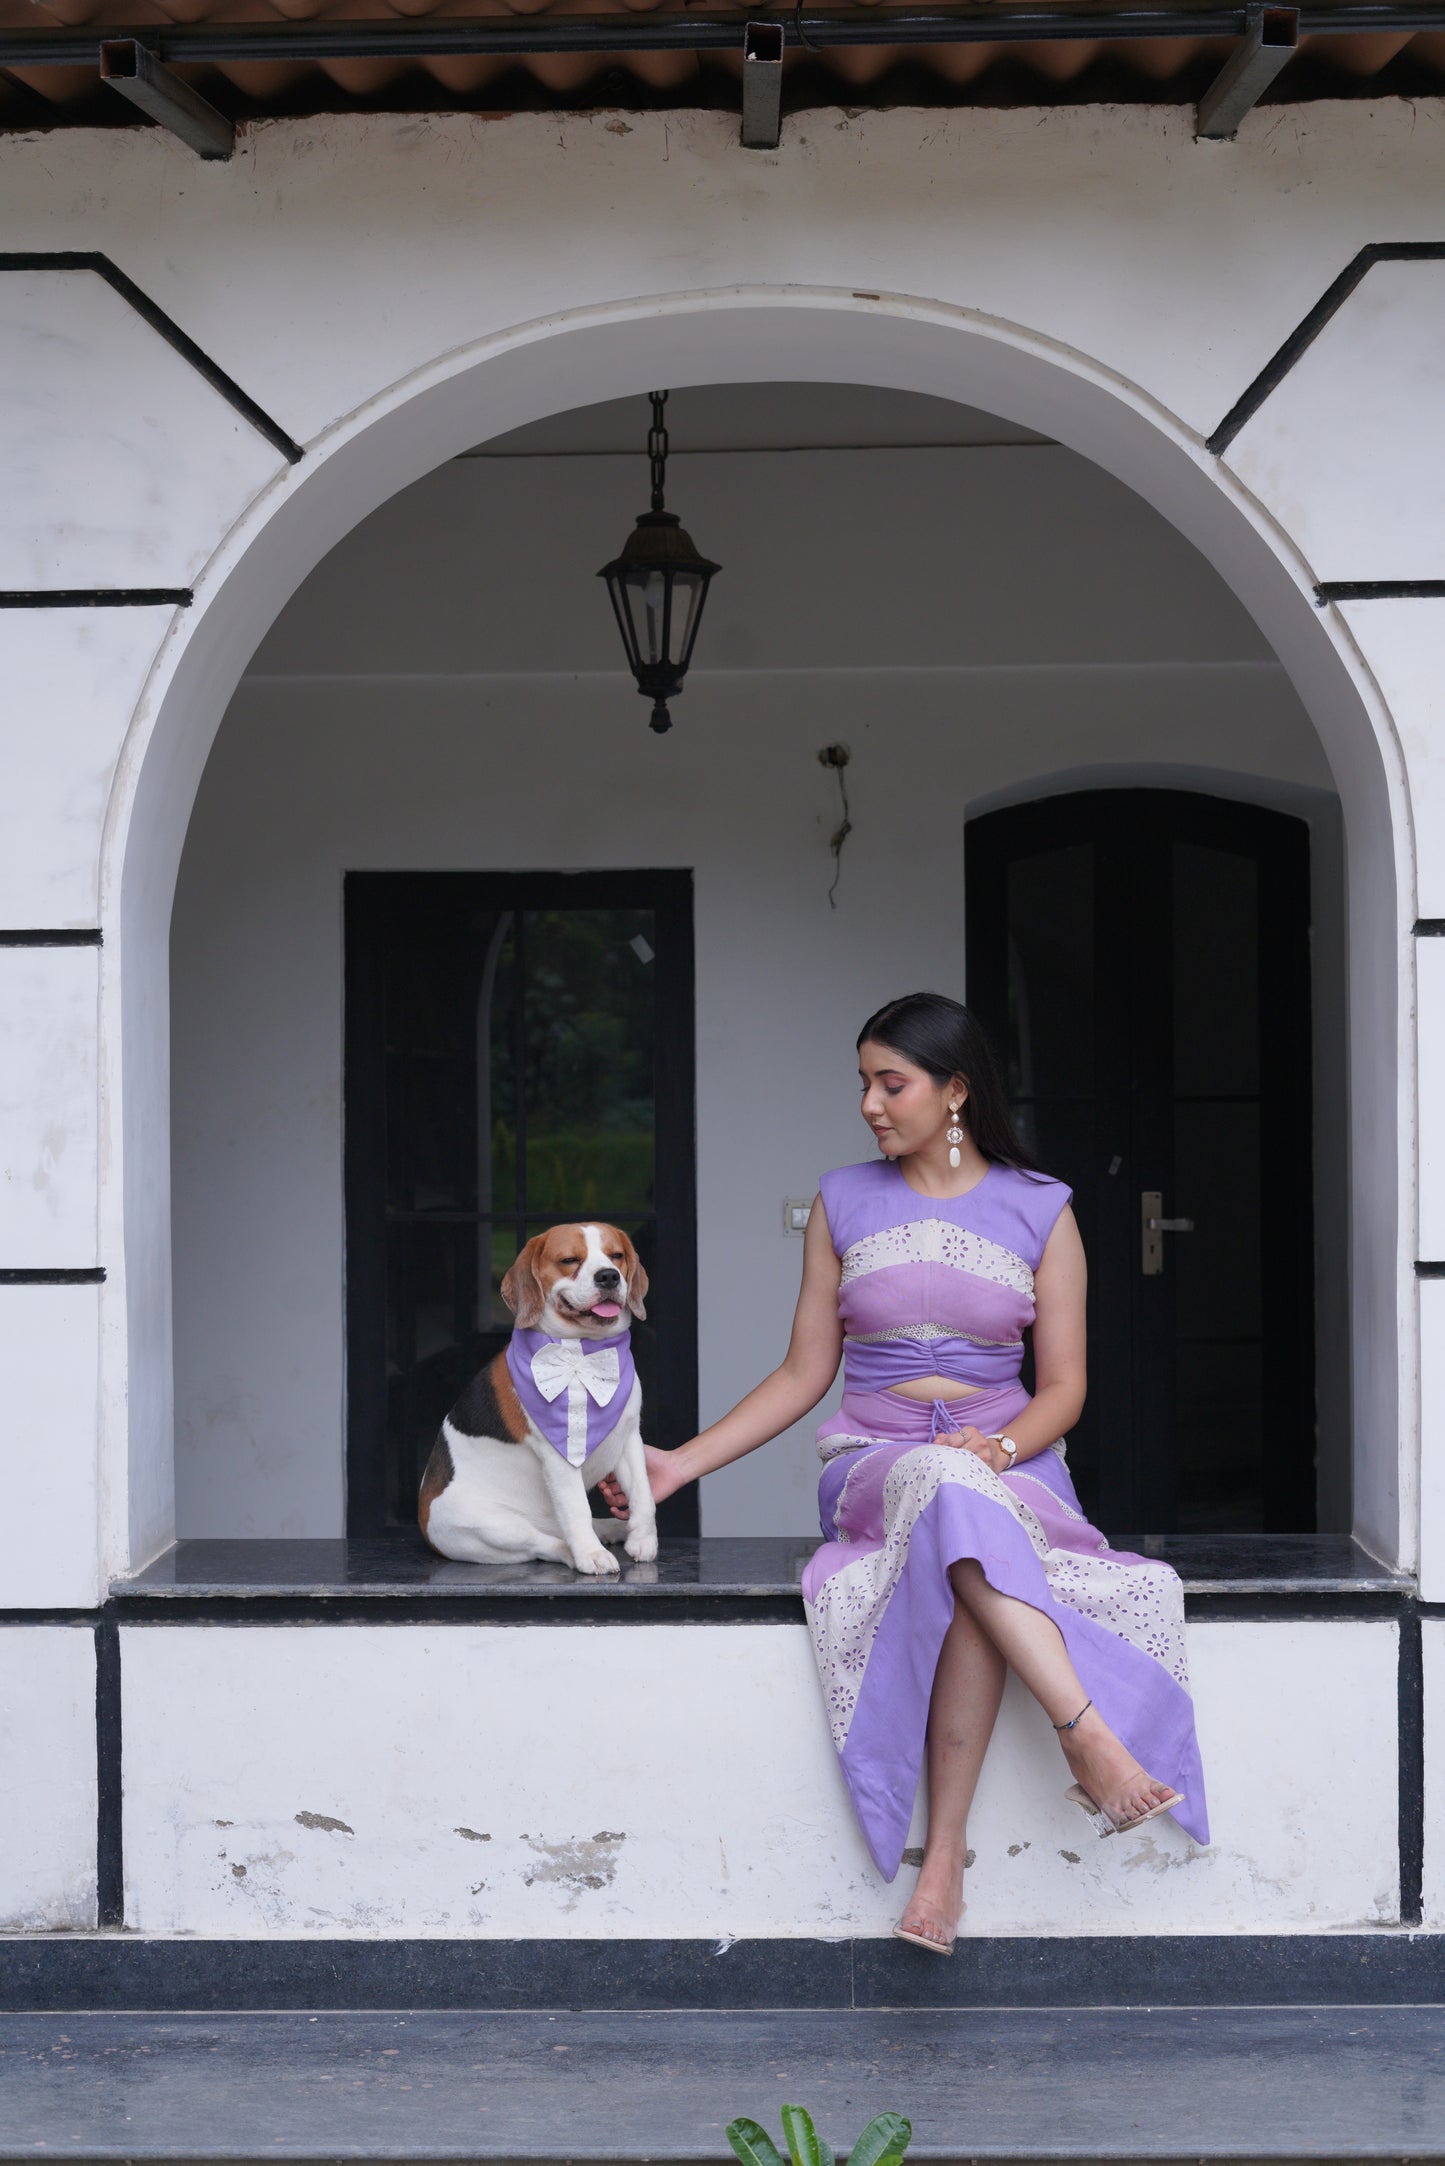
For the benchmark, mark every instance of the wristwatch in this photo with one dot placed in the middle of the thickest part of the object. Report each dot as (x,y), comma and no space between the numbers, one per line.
(1009,1446)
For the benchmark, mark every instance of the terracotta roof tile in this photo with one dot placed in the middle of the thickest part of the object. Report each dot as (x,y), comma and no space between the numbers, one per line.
(41,83)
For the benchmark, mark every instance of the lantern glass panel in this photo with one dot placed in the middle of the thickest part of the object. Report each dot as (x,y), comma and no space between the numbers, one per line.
(653,599)
(688,589)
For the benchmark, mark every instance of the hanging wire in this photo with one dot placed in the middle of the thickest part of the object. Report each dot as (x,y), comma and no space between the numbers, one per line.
(837,757)
(657,448)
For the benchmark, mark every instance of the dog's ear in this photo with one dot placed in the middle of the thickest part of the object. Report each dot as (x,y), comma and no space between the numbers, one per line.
(522,1287)
(636,1281)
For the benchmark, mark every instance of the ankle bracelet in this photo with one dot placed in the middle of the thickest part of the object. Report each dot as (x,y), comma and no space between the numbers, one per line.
(1077,1719)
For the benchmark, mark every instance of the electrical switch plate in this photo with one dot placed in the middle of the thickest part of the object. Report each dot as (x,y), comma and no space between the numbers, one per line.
(796,1214)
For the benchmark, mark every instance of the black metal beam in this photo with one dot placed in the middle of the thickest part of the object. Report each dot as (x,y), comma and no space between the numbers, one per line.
(133,70)
(1271,40)
(625,33)
(762,86)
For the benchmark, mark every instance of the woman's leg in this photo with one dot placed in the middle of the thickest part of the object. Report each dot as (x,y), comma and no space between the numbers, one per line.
(1032,1644)
(967,1688)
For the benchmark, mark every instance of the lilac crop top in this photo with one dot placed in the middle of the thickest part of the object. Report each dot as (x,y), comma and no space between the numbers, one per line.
(936,1286)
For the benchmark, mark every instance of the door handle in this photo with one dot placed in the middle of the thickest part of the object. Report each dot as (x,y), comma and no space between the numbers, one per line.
(1153,1225)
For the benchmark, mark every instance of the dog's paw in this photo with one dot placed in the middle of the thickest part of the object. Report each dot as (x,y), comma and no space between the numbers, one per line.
(641,1545)
(597,1563)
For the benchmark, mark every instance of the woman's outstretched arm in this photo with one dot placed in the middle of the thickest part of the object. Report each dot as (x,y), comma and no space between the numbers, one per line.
(793,1389)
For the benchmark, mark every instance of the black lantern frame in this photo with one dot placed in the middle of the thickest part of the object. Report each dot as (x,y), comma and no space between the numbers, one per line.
(658,587)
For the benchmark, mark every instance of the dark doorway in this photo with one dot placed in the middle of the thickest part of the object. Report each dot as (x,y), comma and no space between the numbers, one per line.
(519,1051)
(1141,958)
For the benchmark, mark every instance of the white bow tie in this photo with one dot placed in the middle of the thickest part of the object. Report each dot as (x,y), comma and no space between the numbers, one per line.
(566,1366)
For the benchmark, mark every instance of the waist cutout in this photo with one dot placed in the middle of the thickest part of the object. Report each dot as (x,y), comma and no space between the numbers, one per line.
(883,1418)
(878,1362)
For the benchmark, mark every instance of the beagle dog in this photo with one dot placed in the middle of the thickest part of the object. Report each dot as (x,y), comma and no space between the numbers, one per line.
(555,1413)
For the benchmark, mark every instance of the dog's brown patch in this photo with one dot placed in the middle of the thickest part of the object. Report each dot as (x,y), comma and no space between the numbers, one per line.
(489,1406)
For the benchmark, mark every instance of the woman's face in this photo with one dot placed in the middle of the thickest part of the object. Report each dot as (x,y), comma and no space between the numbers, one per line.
(902,1104)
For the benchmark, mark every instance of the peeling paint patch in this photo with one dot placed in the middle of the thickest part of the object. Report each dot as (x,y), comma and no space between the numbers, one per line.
(577,1866)
(325,1822)
(238,1872)
(470,1835)
(1070,1857)
(913,1856)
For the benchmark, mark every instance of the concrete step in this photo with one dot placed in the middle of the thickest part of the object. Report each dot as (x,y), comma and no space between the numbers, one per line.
(1028,2085)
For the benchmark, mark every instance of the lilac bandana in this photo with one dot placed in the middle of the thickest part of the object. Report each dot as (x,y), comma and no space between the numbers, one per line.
(574,1390)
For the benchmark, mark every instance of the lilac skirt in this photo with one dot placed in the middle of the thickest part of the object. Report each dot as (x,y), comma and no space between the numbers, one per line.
(897,1512)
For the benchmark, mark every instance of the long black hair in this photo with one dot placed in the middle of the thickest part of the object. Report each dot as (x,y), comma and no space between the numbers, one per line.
(943,1038)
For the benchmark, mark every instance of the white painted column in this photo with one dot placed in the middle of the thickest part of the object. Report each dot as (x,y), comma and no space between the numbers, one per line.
(47,1777)
(125,465)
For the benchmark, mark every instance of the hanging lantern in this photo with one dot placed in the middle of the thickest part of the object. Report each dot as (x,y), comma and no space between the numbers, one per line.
(658,586)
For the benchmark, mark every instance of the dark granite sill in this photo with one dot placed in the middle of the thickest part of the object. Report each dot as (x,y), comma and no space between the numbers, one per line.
(689,1575)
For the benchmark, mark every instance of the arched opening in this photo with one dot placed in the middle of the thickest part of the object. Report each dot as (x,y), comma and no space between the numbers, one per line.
(905,353)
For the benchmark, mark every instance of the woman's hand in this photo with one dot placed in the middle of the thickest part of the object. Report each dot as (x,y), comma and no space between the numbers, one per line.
(662,1480)
(983,1447)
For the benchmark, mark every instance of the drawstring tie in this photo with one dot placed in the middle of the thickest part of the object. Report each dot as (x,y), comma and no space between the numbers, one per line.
(942,1419)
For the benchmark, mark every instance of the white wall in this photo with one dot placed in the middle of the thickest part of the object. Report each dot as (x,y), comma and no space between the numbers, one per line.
(47,1777)
(494,1789)
(445,692)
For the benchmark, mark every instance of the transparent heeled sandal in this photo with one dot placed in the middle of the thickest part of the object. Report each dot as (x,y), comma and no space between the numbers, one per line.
(1104,1823)
(921,1940)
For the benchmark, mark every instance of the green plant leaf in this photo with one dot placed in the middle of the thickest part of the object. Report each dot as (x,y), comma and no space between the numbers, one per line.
(825,2153)
(801,2137)
(883,2142)
(753,2145)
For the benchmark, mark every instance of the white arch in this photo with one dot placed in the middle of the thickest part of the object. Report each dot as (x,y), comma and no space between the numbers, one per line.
(734,335)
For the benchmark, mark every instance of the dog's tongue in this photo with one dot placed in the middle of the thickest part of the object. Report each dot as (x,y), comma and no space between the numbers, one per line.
(606,1309)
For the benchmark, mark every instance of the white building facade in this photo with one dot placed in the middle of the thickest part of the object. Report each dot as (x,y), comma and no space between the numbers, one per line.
(1046,451)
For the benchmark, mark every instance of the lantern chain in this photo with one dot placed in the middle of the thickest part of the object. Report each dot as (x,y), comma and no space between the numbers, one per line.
(657,448)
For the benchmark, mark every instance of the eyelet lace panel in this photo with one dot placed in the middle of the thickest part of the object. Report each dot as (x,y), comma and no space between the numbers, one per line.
(830,1447)
(935,1240)
(923,1331)
(1141,1603)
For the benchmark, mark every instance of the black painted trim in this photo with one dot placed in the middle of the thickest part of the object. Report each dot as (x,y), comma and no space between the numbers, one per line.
(90,259)
(1378,590)
(95,597)
(603,1607)
(52,936)
(90,1275)
(1429,928)
(103,1973)
(588,1608)
(1411,1762)
(1303,336)
(109,1833)
(606,1606)
(1429,1270)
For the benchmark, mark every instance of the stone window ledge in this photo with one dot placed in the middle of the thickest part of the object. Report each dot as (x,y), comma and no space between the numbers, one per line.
(732,1577)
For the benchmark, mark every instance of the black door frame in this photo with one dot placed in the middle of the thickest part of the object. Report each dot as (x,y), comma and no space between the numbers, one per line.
(1128,863)
(367,896)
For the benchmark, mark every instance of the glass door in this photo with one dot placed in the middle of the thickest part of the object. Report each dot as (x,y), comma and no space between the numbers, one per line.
(519,1053)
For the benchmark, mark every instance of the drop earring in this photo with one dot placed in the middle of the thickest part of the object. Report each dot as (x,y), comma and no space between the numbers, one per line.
(954,1135)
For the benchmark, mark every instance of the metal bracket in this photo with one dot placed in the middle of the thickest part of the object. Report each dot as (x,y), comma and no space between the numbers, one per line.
(1270,39)
(762,86)
(133,70)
